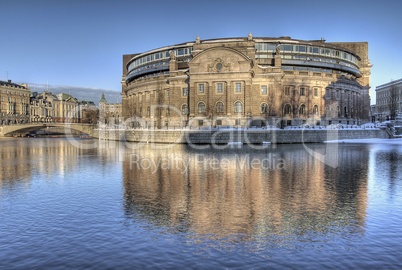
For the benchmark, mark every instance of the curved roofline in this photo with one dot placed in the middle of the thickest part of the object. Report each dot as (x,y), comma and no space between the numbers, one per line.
(221,48)
(283,39)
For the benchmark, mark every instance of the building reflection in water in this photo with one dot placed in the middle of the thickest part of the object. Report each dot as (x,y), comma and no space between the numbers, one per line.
(23,160)
(281,191)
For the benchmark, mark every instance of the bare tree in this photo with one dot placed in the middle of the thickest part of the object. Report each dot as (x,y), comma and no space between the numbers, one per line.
(90,116)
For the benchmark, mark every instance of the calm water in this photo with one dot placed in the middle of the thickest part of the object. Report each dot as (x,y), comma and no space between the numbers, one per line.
(117,207)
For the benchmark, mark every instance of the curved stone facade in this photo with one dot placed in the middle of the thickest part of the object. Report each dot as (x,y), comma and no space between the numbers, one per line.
(247,82)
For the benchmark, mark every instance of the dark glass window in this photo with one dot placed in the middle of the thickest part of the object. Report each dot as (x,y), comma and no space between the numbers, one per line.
(264,90)
(201,107)
(238,107)
(264,108)
(184,109)
(219,88)
(238,88)
(219,107)
(302,110)
(201,88)
(287,109)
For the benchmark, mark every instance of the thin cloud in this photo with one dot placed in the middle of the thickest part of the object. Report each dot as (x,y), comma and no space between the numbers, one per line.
(81,93)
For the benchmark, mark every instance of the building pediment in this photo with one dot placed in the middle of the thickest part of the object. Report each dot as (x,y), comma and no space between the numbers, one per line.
(220,60)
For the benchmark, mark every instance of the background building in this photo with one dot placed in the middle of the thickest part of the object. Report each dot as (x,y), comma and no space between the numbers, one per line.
(14,103)
(247,80)
(61,108)
(389,100)
(109,113)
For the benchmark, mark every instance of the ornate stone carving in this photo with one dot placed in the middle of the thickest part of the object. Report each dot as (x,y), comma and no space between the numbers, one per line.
(218,65)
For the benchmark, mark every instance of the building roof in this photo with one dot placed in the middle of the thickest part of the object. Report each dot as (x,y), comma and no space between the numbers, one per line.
(388,84)
(103,99)
(9,83)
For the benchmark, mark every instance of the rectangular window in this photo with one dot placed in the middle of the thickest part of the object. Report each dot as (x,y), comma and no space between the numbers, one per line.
(302,49)
(264,90)
(315,92)
(315,50)
(219,122)
(201,88)
(287,48)
(185,92)
(200,123)
(238,88)
(219,88)
(180,52)
(302,91)
(287,90)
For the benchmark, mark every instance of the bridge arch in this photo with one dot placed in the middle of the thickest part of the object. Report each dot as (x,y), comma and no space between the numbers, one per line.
(26,128)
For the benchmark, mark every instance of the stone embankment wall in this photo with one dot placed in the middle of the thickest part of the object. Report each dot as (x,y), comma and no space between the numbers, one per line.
(244,136)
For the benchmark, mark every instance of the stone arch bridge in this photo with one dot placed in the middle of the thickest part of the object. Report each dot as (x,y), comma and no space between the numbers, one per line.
(11,130)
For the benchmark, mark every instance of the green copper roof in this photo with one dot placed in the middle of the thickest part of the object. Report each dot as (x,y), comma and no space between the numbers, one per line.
(103,99)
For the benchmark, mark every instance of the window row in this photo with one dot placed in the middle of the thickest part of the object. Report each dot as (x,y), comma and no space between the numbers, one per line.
(300,68)
(271,47)
(14,93)
(219,107)
(287,109)
(219,88)
(159,56)
(302,91)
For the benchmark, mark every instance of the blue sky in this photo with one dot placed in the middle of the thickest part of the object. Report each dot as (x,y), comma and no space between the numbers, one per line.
(81,43)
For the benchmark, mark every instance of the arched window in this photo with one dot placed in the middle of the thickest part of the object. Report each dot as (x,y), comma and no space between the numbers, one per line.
(201,107)
(287,109)
(264,108)
(302,110)
(184,109)
(315,109)
(238,107)
(219,107)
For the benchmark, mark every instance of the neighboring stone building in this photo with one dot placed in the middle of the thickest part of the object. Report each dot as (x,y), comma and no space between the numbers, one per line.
(109,113)
(248,81)
(14,103)
(389,100)
(61,108)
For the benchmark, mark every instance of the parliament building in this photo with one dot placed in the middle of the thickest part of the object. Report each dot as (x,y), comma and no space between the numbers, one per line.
(247,81)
